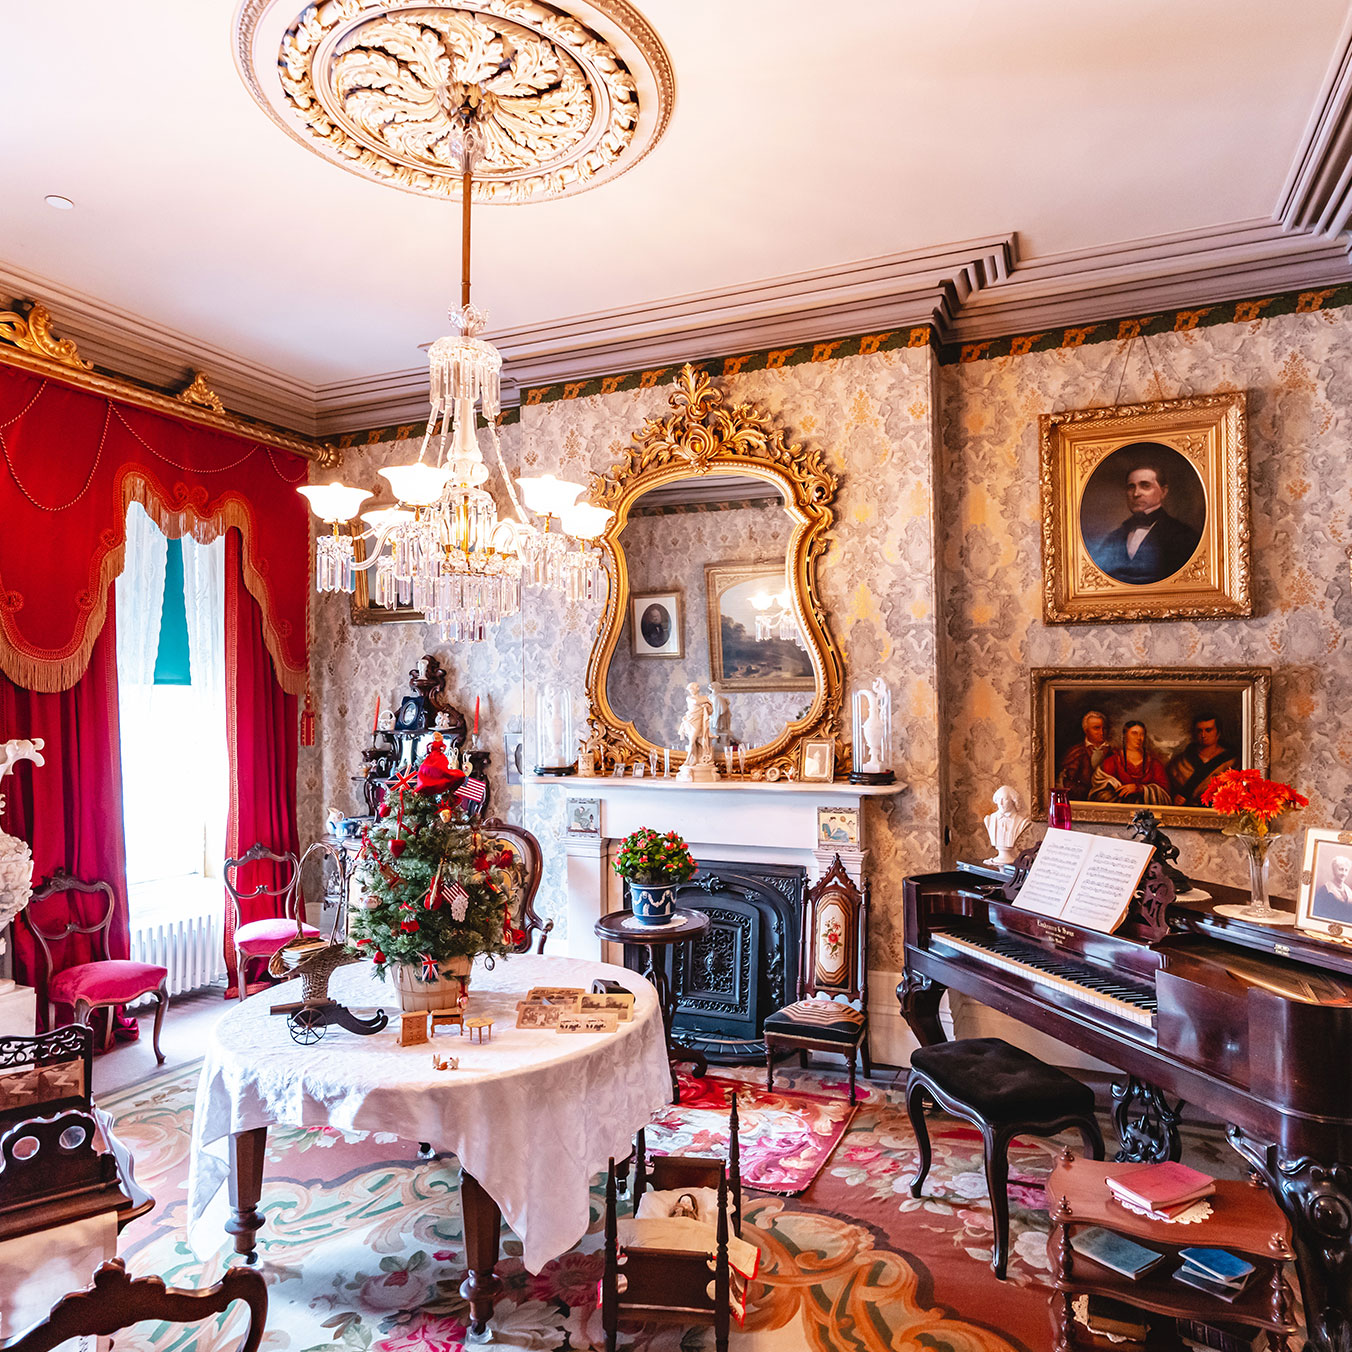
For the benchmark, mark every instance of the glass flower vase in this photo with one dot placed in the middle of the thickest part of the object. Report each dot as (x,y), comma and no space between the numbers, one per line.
(1259,911)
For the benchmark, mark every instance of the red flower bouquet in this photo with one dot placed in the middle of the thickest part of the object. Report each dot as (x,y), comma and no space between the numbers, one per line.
(1251,802)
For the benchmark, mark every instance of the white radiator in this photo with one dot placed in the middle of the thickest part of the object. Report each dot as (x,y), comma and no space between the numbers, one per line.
(188,945)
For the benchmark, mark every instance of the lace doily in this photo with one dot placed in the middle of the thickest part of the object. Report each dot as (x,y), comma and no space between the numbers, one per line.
(1198,1211)
(1080,1306)
(634,923)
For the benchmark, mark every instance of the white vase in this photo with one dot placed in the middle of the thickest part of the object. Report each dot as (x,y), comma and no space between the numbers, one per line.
(445,992)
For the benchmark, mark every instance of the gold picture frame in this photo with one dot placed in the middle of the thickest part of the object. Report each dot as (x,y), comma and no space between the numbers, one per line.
(736,659)
(1174,705)
(818,760)
(671,602)
(1324,903)
(1179,470)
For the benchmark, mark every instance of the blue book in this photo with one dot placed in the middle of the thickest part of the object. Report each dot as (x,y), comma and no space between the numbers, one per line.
(1115,1252)
(1220,1265)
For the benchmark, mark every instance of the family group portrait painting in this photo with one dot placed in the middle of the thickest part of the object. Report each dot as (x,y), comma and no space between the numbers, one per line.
(1120,740)
(1145,511)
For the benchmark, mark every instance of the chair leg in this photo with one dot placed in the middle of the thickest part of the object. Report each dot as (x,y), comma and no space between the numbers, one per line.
(853,1059)
(1092,1138)
(241,975)
(802,1058)
(996,1144)
(161,1004)
(866,1056)
(769,1065)
(915,1109)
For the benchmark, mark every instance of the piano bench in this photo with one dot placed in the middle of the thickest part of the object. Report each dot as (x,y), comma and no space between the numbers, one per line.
(1003,1092)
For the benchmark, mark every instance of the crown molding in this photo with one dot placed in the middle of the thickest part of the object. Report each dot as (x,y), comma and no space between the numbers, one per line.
(130,346)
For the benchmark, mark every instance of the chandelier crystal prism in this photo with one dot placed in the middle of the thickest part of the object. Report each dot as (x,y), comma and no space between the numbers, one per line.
(443,549)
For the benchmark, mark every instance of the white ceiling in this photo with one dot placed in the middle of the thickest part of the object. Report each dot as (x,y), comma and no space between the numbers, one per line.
(805,135)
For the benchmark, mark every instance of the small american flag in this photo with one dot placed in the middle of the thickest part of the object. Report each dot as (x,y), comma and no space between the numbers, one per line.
(473,790)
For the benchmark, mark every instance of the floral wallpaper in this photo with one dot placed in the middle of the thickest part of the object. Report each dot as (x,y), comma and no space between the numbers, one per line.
(668,553)
(932,579)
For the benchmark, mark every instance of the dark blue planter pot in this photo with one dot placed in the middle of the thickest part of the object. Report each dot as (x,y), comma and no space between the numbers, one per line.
(652,903)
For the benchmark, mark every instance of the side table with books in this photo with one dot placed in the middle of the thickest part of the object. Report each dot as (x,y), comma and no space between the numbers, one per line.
(1228,1269)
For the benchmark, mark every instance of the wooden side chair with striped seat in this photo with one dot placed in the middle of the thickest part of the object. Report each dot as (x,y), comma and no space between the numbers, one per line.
(831,1011)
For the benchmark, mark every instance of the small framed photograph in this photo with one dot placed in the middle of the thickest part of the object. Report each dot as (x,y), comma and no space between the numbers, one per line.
(584,818)
(1324,905)
(838,826)
(657,625)
(618,771)
(819,760)
(1145,511)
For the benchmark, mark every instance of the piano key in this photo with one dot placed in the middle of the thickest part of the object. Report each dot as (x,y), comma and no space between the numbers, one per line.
(1078,981)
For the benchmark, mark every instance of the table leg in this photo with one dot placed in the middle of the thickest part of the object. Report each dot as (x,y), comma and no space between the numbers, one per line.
(656,972)
(482,1221)
(247,1149)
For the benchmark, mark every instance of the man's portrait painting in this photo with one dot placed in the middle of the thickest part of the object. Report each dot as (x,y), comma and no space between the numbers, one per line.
(655,625)
(1145,511)
(755,642)
(1324,905)
(1120,740)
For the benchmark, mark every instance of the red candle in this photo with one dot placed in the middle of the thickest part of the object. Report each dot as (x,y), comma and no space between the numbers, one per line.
(476,715)
(375,725)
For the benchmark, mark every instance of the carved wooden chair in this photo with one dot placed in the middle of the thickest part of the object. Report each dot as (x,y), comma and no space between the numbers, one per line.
(831,1011)
(103,983)
(524,878)
(643,1281)
(115,1301)
(258,940)
(45,1073)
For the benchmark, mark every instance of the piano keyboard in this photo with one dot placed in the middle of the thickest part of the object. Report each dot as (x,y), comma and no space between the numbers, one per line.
(1077,980)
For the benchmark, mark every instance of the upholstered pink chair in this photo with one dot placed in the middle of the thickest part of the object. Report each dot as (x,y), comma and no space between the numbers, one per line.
(260,939)
(103,982)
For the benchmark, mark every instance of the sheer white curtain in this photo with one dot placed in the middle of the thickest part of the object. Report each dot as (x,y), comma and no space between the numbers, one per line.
(140,599)
(204,600)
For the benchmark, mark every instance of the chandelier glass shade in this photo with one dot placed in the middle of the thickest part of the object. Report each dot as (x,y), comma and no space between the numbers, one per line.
(442,549)
(775,618)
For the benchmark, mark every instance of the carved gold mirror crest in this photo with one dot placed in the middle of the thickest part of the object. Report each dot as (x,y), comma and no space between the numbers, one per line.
(711,557)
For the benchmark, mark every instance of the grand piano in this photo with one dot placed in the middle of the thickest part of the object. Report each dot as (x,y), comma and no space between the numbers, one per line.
(1251,1025)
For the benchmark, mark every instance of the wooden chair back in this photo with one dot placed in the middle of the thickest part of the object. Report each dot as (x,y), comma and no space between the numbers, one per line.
(286,874)
(58,883)
(835,938)
(116,1301)
(46,1072)
(525,874)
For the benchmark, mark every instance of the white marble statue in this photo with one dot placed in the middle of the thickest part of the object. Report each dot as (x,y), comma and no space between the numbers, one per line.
(696,728)
(1005,825)
(16,860)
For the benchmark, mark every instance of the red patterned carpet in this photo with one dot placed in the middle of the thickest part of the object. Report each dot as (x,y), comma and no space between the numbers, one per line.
(362,1245)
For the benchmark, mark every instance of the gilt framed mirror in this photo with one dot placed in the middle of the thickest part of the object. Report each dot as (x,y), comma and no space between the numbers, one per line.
(714,507)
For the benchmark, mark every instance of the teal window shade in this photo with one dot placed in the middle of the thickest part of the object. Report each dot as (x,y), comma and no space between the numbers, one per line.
(172,664)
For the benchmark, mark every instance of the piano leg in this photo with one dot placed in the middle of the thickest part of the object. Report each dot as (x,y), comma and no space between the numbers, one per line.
(1147,1127)
(919,996)
(1317,1199)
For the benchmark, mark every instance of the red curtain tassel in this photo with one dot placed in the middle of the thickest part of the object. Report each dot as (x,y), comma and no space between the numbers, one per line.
(307,721)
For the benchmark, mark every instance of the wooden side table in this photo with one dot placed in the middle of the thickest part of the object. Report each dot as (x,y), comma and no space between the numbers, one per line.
(1244,1220)
(620,927)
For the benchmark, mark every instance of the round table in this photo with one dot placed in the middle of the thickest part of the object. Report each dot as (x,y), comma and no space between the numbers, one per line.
(621,927)
(531,1114)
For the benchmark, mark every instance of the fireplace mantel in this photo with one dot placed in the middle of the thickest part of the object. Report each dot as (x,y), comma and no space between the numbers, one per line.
(592,786)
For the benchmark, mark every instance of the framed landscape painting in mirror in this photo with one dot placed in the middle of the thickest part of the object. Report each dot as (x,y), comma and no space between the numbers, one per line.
(1145,511)
(1121,739)
(754,639)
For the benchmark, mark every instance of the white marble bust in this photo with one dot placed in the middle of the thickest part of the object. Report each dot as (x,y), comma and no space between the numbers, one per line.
(1005,825)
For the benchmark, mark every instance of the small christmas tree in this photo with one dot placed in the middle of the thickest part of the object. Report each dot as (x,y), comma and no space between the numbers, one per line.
(439,892)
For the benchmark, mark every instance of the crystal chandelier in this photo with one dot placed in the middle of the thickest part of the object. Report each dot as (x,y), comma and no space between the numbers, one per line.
(442,550)
(775,618)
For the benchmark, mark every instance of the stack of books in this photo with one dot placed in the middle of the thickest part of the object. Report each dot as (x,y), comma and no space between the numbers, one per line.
(1218,1272)
(1200,1336)
(1124,1325)
(1163,1191)
(1115,1252)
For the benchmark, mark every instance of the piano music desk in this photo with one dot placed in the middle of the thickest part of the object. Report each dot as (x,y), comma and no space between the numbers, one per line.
(1245,1220)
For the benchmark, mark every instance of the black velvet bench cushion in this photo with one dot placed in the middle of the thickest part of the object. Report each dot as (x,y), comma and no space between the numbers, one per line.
(1002,1083)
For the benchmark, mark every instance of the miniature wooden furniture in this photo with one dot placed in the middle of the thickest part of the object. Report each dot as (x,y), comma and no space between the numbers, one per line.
(830,1013)
(481,1025)
(1003,1092)
(642,1283)
(260,939)
(523,878)
(1244,1220)
(115,1301)
(446,1018)
(619,927)
(103,982)
(413,1028)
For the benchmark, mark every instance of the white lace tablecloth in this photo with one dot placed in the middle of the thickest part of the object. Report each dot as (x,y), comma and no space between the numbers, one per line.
(532,1114)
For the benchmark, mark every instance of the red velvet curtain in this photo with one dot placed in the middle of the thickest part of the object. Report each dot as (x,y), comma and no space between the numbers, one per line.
(262,729)
(70,808)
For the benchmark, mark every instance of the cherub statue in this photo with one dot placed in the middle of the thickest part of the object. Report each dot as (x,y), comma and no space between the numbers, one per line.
(695,728)
(1005,825)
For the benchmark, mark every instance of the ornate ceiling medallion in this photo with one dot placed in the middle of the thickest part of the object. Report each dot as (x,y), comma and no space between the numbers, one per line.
(569,97)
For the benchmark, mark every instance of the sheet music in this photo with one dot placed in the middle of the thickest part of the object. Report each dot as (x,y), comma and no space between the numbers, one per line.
(1087,880)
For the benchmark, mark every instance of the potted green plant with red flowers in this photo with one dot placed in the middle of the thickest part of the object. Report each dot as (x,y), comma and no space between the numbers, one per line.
(654,866)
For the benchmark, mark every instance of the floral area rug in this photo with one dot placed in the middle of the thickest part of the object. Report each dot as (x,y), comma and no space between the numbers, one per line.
(784,1135)
(362,1244)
